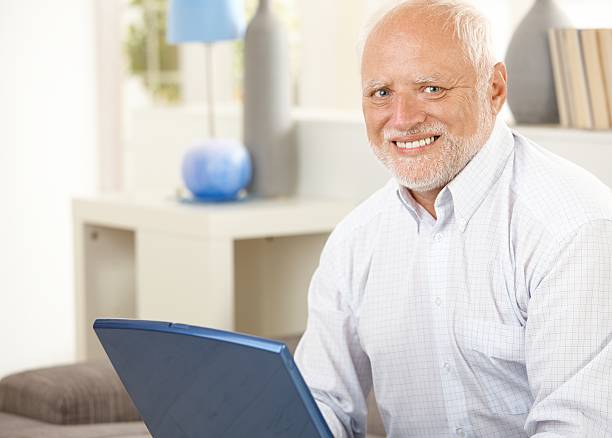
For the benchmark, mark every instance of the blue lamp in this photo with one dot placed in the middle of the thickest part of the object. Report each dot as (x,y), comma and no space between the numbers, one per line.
(214,170)
(205,21)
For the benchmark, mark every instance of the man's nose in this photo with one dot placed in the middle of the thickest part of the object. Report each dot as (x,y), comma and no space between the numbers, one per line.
(407,112)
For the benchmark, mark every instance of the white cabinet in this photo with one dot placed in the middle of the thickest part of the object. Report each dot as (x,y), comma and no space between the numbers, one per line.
(238,266)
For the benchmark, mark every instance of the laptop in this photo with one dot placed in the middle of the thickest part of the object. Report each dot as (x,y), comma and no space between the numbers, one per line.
(189,381)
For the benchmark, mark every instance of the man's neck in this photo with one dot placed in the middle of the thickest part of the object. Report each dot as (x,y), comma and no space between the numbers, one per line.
(427,200)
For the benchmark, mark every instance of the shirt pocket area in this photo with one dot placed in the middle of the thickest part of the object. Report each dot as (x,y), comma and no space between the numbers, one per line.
(495,353)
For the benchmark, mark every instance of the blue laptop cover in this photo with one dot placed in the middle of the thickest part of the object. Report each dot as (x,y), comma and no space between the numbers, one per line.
(190,382)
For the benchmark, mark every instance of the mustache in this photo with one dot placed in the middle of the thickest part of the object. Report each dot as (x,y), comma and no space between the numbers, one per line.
(437,128)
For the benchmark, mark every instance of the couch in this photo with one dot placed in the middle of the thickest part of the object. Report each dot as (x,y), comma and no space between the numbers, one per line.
(85,400)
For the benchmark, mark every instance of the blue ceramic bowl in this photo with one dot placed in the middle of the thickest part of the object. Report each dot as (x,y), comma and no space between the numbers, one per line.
(217,169)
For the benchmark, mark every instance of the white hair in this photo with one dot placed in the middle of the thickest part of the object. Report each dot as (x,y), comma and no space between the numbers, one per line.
(470,27)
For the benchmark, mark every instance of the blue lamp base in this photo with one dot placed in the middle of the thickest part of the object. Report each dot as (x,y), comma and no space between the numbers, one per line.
(191,199)
(217,170)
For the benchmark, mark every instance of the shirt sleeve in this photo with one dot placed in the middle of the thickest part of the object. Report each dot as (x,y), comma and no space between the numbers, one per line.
(330,356)
(569,339)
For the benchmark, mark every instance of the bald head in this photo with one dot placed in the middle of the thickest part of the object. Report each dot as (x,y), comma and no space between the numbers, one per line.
(460,22)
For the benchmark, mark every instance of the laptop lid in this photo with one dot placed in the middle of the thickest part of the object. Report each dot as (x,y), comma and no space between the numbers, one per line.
(189,381)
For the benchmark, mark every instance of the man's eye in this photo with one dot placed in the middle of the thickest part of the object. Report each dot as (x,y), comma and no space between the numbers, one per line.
(381,93)
(432,89)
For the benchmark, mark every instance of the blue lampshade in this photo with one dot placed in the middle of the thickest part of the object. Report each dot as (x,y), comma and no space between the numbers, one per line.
(205,20)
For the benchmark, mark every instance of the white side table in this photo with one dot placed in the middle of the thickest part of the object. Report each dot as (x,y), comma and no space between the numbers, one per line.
(238,266)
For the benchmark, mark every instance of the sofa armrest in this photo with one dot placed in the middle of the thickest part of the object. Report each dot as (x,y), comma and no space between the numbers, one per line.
(82,393)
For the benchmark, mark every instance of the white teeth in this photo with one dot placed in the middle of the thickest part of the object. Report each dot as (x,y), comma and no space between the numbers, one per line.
(415,144)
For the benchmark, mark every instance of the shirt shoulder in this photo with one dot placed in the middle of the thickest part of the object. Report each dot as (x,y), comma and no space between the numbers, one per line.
(349,249)
(367,215)
(558,194)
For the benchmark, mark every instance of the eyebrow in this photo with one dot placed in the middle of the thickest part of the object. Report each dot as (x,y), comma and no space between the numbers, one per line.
(436,77)
(424,79)
(375,83)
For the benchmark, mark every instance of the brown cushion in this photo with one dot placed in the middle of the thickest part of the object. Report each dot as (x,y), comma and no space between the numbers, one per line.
(16,426)
(82,393)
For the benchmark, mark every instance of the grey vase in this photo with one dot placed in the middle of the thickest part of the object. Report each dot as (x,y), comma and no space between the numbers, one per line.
(267,120)
(531,87)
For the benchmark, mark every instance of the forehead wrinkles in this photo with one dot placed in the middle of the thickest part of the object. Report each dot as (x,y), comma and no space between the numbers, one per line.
(415,27)
(386,55)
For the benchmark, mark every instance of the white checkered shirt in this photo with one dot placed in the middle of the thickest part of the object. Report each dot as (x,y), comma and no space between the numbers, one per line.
(495,320)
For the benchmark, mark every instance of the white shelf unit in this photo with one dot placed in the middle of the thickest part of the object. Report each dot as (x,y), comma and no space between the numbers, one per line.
(239,266)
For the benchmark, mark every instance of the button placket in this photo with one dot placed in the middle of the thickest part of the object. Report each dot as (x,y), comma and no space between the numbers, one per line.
(442,304)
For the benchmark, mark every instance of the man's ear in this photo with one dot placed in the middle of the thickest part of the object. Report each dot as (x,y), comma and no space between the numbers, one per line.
(499,87)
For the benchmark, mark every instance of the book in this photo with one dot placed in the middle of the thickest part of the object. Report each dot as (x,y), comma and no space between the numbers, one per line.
(595,79)
(559,77)
(573,58)
(605,54)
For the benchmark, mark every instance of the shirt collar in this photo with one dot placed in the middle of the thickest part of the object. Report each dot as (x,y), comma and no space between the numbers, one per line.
(473,183)
(418,212)
(471,186)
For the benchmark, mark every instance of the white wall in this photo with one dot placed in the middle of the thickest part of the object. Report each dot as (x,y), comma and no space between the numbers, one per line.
(109,91)
(329,74)
(47,150)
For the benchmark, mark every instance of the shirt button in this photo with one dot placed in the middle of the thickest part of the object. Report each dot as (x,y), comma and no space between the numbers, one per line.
(460,432)
(446,367)
(438,301)
(438,237)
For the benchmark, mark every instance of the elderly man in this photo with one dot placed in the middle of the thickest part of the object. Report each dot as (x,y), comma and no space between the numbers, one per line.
(472,293)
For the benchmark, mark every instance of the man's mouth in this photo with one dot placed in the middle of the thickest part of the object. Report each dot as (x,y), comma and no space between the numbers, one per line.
(416,143)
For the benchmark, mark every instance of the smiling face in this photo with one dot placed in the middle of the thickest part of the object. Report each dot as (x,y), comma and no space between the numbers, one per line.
(426,113)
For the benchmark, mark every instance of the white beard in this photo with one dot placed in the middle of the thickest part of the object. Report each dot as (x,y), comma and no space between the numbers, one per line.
(436,169)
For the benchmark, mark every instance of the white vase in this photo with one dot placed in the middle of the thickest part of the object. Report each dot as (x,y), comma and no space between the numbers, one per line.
(267,119)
